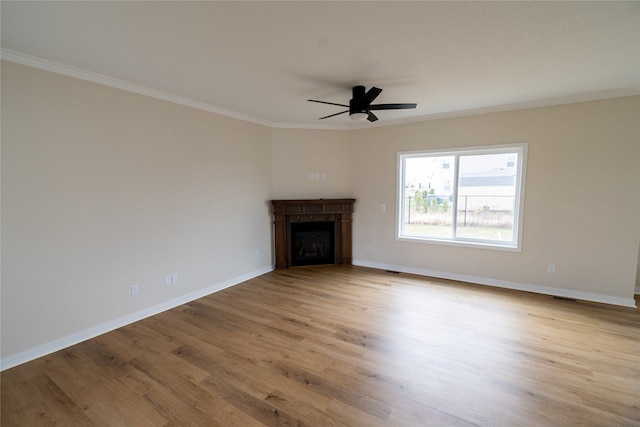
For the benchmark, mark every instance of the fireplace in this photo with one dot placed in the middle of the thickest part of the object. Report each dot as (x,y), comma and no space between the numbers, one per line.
(312,243)
(311,232)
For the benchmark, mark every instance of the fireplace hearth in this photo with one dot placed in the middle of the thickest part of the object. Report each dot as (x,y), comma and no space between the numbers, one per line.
(311,232)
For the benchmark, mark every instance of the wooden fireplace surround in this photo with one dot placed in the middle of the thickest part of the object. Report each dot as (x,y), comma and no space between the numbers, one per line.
(338,211)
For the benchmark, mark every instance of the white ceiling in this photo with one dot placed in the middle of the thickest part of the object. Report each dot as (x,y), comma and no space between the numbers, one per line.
(261,61)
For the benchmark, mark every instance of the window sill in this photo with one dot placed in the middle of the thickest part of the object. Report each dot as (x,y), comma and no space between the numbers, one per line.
(460,243)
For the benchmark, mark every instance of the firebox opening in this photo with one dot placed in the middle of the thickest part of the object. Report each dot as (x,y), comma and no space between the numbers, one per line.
(312,243)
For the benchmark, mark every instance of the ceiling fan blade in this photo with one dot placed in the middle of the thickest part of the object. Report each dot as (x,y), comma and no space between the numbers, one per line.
(336,114)
(392,106)
(372,117)
(330,103)
(368,97)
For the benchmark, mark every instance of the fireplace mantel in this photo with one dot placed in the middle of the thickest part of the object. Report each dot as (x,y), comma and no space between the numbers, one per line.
(288,212)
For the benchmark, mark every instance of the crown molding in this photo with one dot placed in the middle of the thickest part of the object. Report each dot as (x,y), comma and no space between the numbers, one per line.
(79,73)
(549,102)
(66,70)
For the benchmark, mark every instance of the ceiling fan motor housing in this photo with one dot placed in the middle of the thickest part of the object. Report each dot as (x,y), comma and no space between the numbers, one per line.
(354,103)
(355,108)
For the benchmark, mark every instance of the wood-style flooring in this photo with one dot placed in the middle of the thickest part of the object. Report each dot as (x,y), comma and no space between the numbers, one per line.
(345,346)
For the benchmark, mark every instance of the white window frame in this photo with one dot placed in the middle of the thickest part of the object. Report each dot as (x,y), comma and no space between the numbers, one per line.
(515,244)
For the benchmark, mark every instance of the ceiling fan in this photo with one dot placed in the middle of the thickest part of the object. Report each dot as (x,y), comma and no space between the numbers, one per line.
(360,106)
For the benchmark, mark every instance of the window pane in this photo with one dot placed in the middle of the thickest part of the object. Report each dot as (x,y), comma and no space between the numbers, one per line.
(428,196)
(470,196)
(486,196)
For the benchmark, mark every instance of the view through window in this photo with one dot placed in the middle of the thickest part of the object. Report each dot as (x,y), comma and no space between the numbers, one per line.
(469,196)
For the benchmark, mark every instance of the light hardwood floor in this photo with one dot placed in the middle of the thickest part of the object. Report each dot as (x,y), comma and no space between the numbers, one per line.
(345,346)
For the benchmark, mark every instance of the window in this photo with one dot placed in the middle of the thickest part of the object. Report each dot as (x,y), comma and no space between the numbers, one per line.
(468,196)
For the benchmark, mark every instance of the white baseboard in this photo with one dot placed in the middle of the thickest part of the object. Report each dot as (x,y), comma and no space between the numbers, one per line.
(59,344)
(546,290)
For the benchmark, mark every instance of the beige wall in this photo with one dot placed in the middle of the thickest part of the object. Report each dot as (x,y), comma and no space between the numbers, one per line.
(638,266)
(103,188)
(581,198)
(298,153)
(638,274)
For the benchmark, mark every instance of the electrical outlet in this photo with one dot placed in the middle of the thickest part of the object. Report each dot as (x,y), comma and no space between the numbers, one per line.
(383,208)
(551,268)
(175,278)
(168,280)
(135,289)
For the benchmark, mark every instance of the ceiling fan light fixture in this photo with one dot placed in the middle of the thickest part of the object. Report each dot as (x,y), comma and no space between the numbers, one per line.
(358,117)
